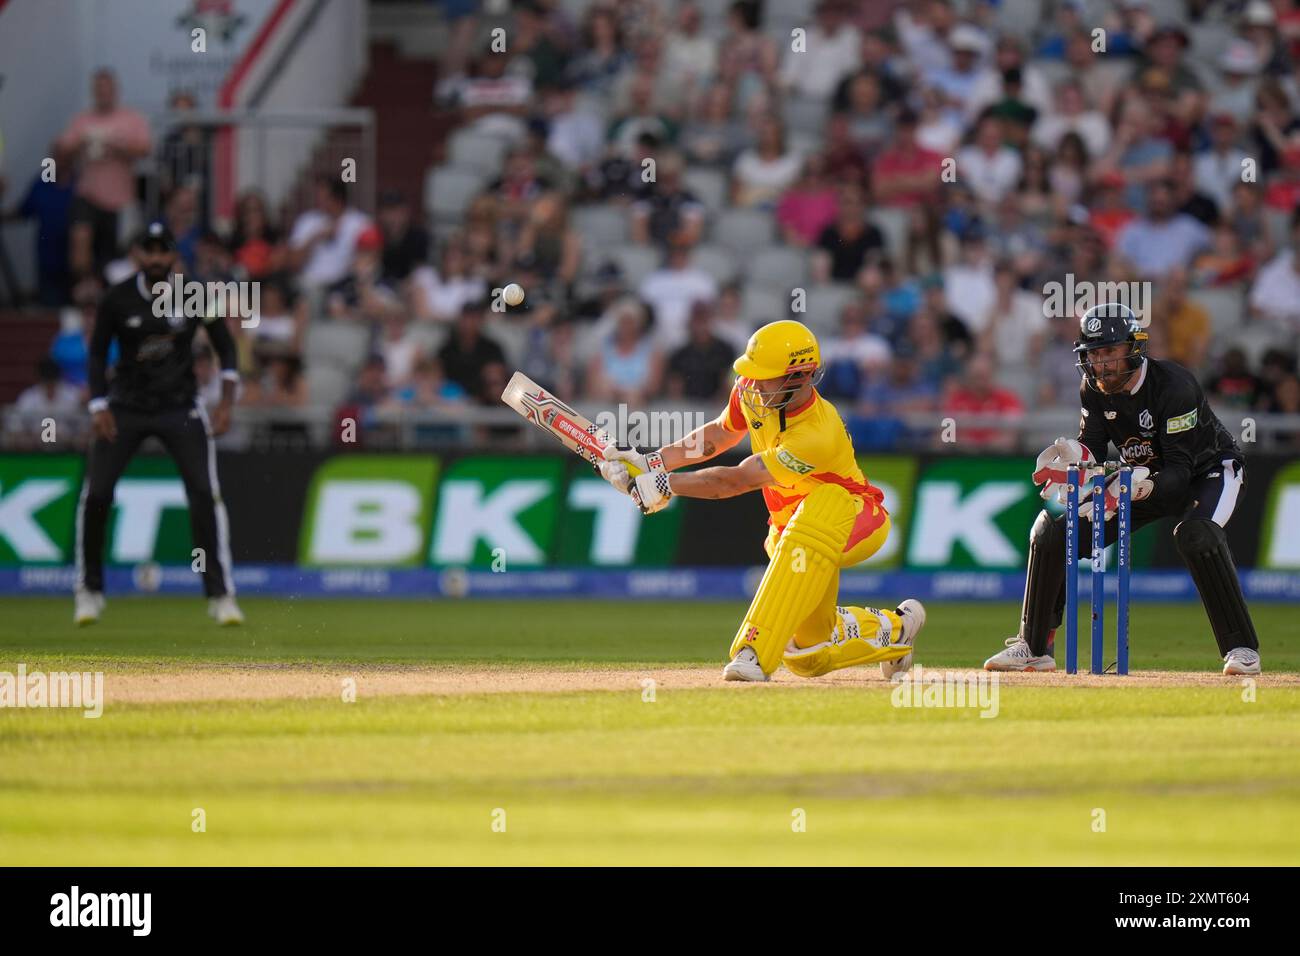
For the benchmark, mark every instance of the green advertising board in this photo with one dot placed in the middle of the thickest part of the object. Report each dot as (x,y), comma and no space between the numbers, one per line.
(39,495)
(368,510)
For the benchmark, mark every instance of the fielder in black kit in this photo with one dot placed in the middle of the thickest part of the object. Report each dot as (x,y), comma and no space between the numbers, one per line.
(1185,465)
(153,393)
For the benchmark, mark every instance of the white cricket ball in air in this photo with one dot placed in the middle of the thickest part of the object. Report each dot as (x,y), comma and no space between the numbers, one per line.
(513,294)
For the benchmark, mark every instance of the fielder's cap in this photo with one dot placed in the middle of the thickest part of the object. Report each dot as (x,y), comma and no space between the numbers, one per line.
(968,38)
(1259,13)
(156,235)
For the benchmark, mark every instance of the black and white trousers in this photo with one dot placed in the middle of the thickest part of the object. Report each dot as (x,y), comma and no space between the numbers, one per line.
(186,435)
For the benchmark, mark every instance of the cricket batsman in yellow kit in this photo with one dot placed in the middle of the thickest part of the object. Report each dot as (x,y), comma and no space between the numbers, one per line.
(824,514)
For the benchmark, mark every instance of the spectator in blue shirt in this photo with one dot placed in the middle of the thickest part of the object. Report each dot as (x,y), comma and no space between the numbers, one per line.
(1163,240)
(49,203)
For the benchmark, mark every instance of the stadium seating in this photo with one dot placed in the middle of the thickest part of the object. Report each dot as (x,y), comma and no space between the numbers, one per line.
(708,185)
(716,261)
(777,267)
(470,149)
(744,231)
(601,226)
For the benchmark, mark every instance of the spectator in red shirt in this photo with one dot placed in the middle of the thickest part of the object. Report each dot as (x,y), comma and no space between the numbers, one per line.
(1110,213)
(809,205)
(255,241)
(845,160)
(907,176)
(1284,192)
(979,394)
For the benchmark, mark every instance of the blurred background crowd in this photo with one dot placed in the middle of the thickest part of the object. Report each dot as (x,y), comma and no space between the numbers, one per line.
(664,176)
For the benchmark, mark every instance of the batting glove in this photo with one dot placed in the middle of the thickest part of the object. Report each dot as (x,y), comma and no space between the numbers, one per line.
(651,491)
(622,465)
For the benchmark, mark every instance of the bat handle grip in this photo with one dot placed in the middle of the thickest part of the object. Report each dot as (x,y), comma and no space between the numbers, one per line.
(632,472)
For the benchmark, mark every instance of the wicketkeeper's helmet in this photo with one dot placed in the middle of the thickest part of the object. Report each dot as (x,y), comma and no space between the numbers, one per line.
(1109,323)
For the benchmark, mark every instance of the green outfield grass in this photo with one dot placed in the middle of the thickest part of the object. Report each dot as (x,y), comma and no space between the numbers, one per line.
(1120,774)
(1164,636)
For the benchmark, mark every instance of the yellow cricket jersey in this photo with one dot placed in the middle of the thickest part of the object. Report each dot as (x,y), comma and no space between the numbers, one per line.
(813,449)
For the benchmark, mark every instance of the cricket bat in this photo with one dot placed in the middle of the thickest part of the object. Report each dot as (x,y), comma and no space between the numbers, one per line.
(573,430)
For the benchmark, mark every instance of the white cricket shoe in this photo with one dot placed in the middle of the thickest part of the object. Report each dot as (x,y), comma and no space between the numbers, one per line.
(1241,660)
(89,604)
(744,666)
(912,612)
(225,611)
(1018,657)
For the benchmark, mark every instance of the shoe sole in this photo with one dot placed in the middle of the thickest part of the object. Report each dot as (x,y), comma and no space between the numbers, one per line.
(904,664)
(736,675)
(1032,668)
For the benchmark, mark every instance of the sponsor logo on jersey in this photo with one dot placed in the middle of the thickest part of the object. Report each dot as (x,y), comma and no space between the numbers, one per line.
(1145,420)
(1181,423)
(134,322)
(794,464)
(1137,451)
(155,348)
(1110,416)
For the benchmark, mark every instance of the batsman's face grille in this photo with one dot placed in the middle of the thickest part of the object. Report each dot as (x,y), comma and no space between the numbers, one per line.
(774,394)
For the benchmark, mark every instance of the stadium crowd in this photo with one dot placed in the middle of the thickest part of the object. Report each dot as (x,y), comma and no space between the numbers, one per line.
(662,177)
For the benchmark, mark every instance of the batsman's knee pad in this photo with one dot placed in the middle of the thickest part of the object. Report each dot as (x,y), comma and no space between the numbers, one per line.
(864,635)
(1204,549)
(804,562)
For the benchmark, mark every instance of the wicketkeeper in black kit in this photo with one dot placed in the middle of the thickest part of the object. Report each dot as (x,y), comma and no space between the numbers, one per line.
(1185,464)
(153,392)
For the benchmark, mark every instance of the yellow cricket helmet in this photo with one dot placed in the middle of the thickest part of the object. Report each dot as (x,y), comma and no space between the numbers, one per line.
(779,350)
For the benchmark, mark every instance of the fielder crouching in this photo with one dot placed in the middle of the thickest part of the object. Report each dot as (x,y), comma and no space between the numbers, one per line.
(1185,465)
(824,514)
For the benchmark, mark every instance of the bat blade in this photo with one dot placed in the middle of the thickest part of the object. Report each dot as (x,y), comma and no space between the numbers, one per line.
(549,413)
